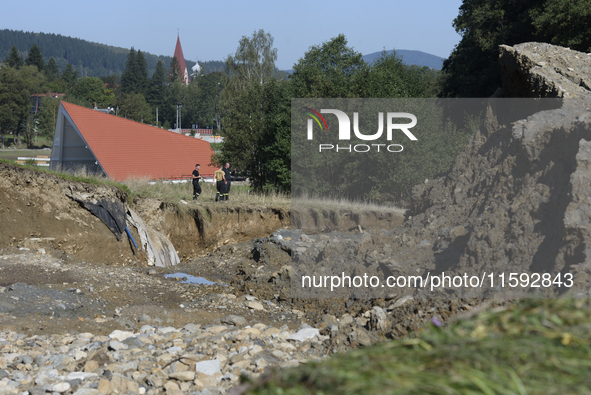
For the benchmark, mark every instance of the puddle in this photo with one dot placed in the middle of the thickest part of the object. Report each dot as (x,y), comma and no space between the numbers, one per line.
(188,279)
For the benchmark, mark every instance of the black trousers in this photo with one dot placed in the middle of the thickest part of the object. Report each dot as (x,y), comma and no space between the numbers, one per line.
(196,189)
(221,187)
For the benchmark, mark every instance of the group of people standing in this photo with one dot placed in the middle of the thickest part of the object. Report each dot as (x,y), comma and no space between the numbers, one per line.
(222,181)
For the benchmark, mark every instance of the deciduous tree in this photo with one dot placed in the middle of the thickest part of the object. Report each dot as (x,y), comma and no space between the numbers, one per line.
(16,88)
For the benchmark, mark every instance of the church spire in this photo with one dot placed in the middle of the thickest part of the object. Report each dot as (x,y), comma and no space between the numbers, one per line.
(178,53)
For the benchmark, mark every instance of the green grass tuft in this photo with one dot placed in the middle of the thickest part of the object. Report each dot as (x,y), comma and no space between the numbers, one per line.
(532,347)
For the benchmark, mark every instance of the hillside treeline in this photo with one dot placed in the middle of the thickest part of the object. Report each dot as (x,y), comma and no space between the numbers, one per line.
(88,58)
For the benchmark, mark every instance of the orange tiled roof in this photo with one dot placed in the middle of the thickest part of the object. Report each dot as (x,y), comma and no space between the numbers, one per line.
(128,149)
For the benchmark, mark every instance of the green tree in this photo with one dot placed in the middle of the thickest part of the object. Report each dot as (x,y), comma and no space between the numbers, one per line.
(388,76)
(175,70)
(329,70)
(134,106)
(254,60)
(35,58)
(16,88)
(157,85)
(14,59)
(257,135)
(135,75)
(472,69)
(111,81)
(51,70)
(565,22)
(70,75)
(47,117)
(209,106)
(91,90)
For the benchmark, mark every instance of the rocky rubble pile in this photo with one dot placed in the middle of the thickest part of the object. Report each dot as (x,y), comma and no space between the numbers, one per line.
(193,359)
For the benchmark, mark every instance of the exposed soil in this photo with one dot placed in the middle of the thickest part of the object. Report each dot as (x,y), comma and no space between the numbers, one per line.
(54,250)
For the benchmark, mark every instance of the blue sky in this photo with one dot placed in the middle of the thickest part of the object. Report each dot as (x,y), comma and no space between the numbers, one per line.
(210,30)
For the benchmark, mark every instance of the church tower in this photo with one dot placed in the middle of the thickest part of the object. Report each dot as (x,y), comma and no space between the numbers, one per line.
(178,53)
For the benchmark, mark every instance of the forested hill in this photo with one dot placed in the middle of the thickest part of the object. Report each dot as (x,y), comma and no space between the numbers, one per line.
(89,58)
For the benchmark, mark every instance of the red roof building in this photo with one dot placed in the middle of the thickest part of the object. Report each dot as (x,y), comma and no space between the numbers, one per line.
(123,149)
(178,54)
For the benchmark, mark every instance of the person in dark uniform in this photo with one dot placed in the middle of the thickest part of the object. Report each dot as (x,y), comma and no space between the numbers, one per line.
(220,181)
(196,177)
(228,174)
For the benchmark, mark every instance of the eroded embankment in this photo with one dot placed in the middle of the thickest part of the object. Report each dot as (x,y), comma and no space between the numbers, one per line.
(39,210)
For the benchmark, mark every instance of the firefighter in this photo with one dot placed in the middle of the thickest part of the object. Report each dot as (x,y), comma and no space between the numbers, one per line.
(220,180)
(228,174)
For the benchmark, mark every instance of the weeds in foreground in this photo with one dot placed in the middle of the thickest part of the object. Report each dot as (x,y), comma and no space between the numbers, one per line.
(533,347)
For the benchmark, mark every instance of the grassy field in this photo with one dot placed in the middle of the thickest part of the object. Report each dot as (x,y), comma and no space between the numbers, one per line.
(239,194)
(531,347)
(13,154)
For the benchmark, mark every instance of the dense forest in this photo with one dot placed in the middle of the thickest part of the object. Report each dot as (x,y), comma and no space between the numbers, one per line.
(88,58)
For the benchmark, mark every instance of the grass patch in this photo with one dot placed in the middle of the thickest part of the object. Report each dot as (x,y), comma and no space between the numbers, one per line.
(532,347)
(13,154)
(76,176)
(175,192)
(338,204)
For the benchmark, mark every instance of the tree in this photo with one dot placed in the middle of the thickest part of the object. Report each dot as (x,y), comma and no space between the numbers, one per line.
(175,70)
(35,58)
(257,135)
(135,75)
(472,69)
(157,85)
(14,59)
(565,22)
(48,117)
(51,70)
(209,108)
(91,90)
(388,76)
(328,70)
(70,75)
(16,88)
(254,60)
(134,106)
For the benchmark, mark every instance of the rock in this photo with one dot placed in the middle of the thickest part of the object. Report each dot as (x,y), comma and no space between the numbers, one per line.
(121,384)
(80,376)
(235,320)
(120,335)
(116,345)
(171,386)
(402,301)
(217,329)
(86,391)
(183,376)
(60,387)
(255,306)
(304,334)
(208,367)
(252,331)
(378,320)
